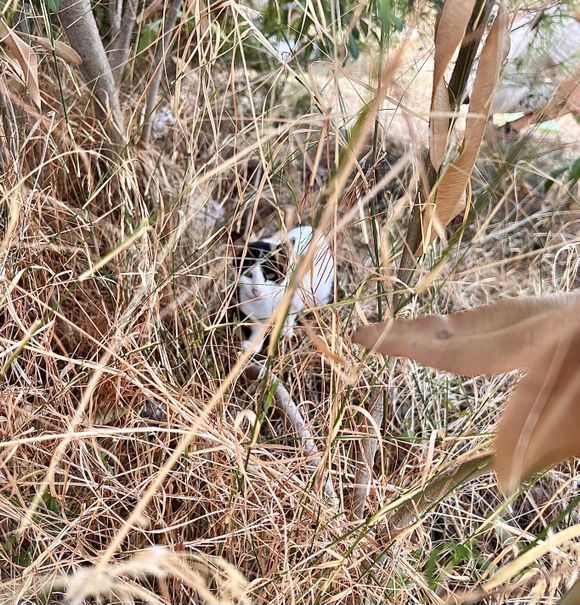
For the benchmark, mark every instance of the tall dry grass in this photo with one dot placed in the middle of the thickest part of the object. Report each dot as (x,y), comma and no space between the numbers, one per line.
(137,460)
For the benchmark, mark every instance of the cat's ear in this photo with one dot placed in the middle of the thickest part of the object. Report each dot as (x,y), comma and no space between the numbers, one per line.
(280,258)
(236,245)
(236,238)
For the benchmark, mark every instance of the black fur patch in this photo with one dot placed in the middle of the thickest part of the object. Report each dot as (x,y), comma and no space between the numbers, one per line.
(274,260)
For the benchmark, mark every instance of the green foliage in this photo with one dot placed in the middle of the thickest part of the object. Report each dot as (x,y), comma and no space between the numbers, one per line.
(149,32)
(295,24)
(448,555)
(48,6)
(52,6)
(569,175)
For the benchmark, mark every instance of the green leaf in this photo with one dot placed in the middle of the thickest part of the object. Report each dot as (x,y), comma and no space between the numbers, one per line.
(52,6)
(573,175)
(575,171)
(353,47)
(149,32)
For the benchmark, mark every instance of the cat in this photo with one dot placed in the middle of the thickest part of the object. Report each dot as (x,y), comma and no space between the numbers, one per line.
(265,271)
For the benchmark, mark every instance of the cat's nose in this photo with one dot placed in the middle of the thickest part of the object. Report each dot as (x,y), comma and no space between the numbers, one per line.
(255,292)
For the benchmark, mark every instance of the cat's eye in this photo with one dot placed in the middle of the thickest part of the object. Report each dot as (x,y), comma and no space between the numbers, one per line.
(271,272)
(276,265)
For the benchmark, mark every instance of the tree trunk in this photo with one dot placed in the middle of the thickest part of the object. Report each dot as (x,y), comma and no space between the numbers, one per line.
(78,22)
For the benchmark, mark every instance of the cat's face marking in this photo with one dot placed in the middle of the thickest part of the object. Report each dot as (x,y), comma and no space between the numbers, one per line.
(263,262)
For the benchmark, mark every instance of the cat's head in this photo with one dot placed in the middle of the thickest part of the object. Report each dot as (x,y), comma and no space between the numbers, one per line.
(263,257)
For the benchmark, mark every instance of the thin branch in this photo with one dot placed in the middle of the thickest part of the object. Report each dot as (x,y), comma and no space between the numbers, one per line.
(440,487)
(9,147)
(118,51)
(21,21)
(114,8)
(284,403)
(159,62)
(370,445)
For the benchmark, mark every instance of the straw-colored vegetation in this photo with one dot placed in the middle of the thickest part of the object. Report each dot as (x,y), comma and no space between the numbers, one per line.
(143,457)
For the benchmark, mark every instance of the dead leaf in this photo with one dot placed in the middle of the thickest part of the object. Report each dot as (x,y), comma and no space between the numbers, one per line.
(566,99)
(26,58)
(541,425)
(449,33)
(572,597)
(486,340)
(62,50)
(447,198)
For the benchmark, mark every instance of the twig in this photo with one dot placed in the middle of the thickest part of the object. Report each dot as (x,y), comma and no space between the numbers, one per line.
(21,20)
(10,127)
(436,490)
(159,62)
(114,8)
(370,445)
(119,51)
(284,403)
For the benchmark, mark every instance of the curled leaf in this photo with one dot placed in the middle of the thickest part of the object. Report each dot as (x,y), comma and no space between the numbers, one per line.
(447,197)
(26,58)
(62,50)
(450,31)
(541,425)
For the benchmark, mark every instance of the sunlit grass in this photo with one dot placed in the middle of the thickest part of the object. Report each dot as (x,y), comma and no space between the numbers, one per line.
(126,419)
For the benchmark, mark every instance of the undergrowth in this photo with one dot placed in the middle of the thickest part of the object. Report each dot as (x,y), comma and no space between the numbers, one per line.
(117,345)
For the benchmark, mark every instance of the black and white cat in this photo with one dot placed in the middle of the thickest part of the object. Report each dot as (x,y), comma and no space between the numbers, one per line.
(266,267)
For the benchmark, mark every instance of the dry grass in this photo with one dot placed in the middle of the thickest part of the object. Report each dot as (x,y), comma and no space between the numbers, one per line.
(125,420)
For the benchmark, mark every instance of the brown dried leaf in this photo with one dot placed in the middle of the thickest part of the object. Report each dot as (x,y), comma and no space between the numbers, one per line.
(487,340)
(541,425)
(27,59)
(62,50)
(566,99)
(572,597)
(449,192)
(450,31)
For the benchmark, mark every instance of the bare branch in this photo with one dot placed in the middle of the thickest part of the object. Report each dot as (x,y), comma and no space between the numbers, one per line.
(370,445)
(160,56)
(285,404)
(21,21)
(441,486)
(114,8)
(118,52)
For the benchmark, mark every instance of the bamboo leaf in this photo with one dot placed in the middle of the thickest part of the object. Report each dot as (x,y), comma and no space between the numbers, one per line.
(566,99)
(26,58)
(449,33)
(62,50)
(541,424)
(447,198)
(487,340)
